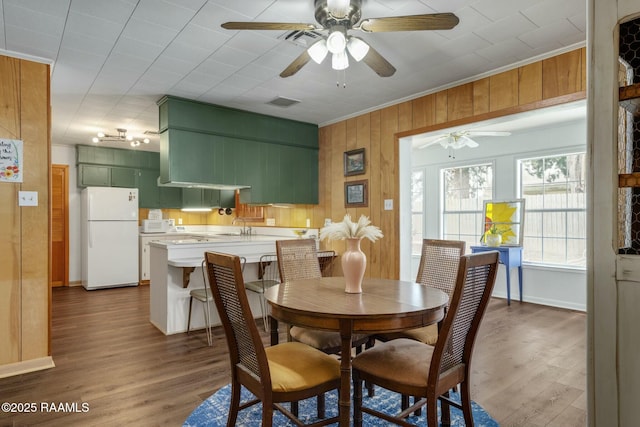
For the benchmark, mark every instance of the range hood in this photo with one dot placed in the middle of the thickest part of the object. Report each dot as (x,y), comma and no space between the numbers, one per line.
(206,186)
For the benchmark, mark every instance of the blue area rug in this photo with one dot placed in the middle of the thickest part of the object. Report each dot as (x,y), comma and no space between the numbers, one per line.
(213,411)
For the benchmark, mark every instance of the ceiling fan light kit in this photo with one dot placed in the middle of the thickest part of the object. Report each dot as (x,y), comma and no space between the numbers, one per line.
(357,48)
(318,51)
(120,137)
(337,18)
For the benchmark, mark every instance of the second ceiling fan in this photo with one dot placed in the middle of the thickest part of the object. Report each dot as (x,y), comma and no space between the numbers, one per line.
(337,18)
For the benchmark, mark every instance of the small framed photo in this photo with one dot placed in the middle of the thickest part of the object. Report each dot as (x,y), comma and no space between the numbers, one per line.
(355,194)
(354,162)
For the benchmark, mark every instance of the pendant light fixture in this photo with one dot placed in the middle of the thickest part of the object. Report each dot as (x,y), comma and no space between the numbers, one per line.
(120,137)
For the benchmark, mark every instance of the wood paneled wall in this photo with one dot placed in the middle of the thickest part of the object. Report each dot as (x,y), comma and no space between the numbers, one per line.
(552,81)
(24,264)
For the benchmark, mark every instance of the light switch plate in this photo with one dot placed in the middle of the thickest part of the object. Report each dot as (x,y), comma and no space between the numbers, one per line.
(388,204)
(27,198)
(271,222)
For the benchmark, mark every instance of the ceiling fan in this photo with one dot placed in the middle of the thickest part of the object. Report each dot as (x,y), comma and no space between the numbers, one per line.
(337,17)
(458,139)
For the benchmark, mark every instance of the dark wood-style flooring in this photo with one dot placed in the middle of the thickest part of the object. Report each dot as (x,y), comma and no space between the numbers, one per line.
(528,367)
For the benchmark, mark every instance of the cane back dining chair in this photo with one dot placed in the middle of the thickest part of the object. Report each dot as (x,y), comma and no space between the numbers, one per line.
(286,372)
(298,259)
(411,367)
(268,276)
(438,268)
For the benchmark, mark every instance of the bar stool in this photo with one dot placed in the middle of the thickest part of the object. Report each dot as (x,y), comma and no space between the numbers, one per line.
(268,276)
(205,297)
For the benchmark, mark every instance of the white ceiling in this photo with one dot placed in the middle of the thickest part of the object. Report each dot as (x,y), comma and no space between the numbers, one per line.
(112,60)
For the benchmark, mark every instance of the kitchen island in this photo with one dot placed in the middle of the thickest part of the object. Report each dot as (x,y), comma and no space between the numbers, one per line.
(176,270)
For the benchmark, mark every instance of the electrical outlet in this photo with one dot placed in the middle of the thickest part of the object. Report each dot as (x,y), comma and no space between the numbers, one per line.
(179,221)
(271,222)
(388,204)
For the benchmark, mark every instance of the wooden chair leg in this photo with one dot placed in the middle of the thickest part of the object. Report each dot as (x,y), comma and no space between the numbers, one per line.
(465,400)
(294,408)
(445,411)
(432,410)
(418,411)
(234,405)
(357,401)
(321,406)
(404,402)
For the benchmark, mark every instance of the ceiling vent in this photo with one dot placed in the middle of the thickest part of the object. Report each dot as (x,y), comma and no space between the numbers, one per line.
(151,132)
(302,38)
(281,101)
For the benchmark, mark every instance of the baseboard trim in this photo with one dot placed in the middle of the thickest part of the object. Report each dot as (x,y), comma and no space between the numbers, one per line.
(26,366)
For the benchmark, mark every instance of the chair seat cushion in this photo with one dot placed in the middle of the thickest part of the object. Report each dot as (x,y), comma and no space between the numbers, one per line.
(403,361)
(295,366)
(321,339)
(257,286)
(427,334)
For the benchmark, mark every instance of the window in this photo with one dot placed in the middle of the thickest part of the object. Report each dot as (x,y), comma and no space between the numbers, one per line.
(417,210)
(464,190)
(555,214)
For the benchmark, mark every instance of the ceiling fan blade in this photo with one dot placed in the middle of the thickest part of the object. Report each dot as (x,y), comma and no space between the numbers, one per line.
(487,133)
(468,142)
(296,65)
(432,21)
(381,66)
(439,139)
(268,26)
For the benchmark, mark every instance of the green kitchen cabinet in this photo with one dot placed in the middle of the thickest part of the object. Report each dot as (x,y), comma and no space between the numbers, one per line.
(94,176)
(148,190)
(227,198)
(287,175)
(170,197)
(123,177)
(152,196)
(208,144)
(207,198)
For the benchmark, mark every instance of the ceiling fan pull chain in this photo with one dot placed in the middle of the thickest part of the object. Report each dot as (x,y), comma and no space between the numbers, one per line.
(344,78)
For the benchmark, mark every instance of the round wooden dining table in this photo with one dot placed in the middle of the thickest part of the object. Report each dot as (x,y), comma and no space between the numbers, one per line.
(384,305)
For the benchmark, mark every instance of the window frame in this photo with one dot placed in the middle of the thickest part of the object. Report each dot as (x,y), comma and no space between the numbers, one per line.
(480,212)
(568,151)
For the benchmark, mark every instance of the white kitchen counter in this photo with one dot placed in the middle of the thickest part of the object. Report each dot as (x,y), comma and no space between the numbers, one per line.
(176,263)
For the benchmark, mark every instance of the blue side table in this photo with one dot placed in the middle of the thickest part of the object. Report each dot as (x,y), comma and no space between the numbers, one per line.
(510,257)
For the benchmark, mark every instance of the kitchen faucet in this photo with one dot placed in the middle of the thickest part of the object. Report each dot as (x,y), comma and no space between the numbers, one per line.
(244,225)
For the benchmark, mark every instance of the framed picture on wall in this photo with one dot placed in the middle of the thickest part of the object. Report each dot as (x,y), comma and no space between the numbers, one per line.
(354,162)
(355,194)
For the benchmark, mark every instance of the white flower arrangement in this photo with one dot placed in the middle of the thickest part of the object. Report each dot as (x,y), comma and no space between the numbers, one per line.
(347,229)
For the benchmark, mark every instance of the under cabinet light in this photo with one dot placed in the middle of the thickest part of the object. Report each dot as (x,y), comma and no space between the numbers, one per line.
(196,209)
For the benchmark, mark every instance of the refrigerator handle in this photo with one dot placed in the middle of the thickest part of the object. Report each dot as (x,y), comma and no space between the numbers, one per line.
(90,225)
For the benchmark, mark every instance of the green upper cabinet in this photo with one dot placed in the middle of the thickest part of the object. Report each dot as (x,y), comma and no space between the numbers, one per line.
(208,144)
(203,198)
(94,176)
(195,116)
(123,177)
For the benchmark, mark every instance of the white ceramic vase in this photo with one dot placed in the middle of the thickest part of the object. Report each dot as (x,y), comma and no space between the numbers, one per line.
(354,263)
(493,240)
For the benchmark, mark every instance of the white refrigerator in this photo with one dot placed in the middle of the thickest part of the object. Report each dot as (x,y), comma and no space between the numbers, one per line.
(109,237)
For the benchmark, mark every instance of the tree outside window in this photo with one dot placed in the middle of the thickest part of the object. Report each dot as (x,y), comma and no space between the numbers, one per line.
(464,190)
